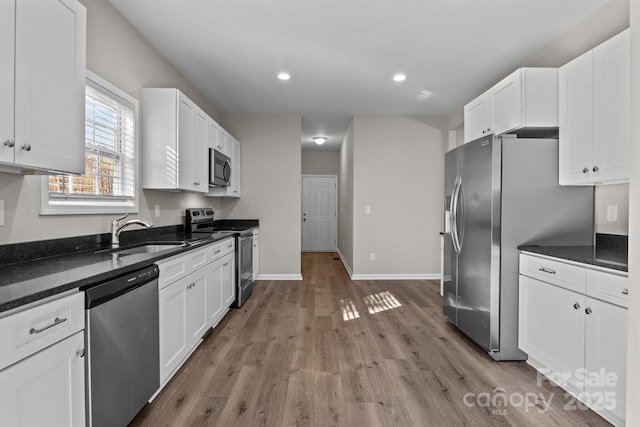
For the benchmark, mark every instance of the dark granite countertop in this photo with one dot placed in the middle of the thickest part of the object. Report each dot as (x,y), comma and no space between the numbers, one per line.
(24,281)
(610,251)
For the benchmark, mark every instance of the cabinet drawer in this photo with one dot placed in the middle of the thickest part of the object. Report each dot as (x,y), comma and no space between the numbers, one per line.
(564,275)
(175,268)
(27,331)
(608,287)
(221,249)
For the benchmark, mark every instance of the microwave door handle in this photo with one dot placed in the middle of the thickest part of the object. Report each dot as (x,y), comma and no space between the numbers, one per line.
(227,171)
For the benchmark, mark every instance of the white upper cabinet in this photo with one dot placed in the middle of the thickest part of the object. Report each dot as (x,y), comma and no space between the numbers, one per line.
(527,98)
(42,82)
(175,155)
(477,118)
(594,115)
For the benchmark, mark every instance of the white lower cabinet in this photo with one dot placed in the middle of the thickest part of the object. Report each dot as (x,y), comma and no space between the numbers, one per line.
(183,320)
(42,364)
(578,339)
(46,389)
(193,296)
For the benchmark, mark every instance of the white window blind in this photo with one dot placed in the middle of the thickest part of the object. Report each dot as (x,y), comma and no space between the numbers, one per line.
(109,182)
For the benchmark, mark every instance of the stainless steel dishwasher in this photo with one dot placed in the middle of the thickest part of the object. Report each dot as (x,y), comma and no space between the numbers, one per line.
(122,364)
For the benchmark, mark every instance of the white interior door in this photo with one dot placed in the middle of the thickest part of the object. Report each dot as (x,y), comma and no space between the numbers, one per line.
(319,214)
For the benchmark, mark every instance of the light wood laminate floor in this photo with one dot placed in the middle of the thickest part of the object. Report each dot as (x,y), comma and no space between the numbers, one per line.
(327,351)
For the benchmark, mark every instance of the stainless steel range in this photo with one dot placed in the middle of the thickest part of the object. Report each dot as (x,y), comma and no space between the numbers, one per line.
(200,224)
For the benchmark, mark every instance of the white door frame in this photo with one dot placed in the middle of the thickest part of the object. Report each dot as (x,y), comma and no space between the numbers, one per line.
(302,207)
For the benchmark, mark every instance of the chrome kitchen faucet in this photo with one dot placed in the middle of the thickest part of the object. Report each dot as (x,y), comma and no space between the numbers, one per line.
(116,228)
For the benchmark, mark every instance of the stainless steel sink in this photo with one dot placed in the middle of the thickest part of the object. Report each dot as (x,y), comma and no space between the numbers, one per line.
(144,248)
(147,249)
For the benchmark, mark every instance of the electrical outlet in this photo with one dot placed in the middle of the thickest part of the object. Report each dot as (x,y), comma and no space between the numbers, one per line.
(372,256)
(157,212)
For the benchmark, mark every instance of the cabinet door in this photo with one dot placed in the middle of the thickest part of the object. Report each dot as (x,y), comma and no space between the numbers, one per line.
(576,121)
(228,280)
(551,327)
(214,293)
(196,321)
(199,155)
(46,389)
(50,72)
(606,357)
(612,104)
(186,137)
(506,103)
(7,43)
(173,335)
(236,175)
(477,118)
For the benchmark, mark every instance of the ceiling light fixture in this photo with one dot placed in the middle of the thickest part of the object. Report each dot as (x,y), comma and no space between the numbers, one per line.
(319,140)
(284,76)
(399,77)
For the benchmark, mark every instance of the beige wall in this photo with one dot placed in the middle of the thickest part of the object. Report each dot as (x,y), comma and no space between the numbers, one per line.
(397,171)
(320,163)
(116,52)
(271,186)
(345,200)
(633,343)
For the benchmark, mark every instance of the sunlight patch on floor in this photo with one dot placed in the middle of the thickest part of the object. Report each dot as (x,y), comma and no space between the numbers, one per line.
(381,302)
(349,311)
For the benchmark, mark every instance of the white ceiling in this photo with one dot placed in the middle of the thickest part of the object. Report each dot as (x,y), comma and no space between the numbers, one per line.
(342,54)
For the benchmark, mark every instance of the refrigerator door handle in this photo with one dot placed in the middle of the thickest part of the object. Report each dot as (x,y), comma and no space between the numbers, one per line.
(460,212)
(454,215)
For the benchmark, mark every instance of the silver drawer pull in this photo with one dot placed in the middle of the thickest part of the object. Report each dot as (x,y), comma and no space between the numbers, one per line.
(547,270)
(225,264)
(217,252)
(229,246)
(57,321)
(625,291)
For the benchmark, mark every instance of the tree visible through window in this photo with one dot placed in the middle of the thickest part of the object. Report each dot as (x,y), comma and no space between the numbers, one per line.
(110,145)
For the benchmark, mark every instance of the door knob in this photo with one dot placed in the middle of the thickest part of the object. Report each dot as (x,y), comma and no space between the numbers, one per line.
(585,170)
(9,143)
(588,310)
(595,169)
(26,147)
(576,306)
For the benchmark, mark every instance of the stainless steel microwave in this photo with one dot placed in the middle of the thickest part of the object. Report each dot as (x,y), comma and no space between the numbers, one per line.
(219,169)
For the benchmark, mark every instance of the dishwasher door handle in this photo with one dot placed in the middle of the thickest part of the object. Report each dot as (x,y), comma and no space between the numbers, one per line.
(56,322)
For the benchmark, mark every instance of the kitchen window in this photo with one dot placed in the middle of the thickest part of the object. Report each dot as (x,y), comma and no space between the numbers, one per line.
(109,182)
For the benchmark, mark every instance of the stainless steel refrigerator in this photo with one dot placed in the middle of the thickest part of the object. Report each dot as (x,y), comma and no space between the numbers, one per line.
(502,192)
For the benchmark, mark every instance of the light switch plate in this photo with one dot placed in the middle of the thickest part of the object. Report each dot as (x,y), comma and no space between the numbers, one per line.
(1,213)
(367,210)
(612,213)
(157,211)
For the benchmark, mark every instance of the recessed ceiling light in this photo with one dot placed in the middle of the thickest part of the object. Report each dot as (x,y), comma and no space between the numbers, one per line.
(284,76)
(319,140)
(399,77)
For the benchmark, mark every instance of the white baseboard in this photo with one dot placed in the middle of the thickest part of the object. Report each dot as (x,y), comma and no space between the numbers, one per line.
(345,263)
(435,276)
(278,277)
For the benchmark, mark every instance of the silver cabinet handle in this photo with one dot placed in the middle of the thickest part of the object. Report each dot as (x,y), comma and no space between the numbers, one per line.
(229,246)
(588,310)
(80,352)
(585,170)
(225,264)
(625,291)
(56,321)
(191,285)
(26,147)
(595,169)
(547,270)
(576,306)
(217,252)
(9,143)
